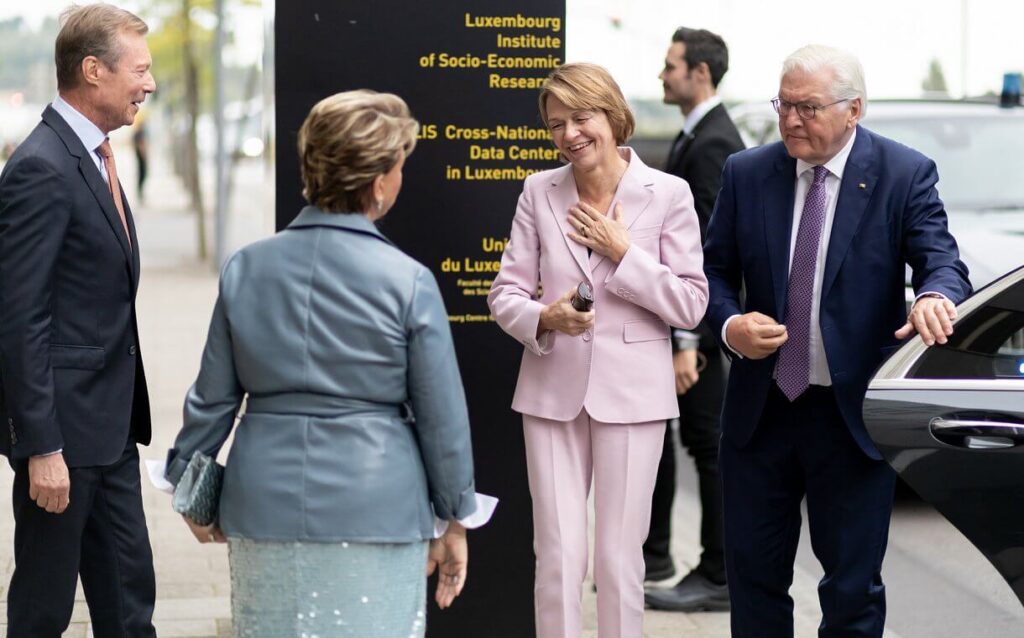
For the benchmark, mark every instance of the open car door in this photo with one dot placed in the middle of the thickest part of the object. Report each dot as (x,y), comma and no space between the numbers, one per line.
(950,421)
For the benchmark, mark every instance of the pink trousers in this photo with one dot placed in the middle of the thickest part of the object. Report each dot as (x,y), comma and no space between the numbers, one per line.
(561,458)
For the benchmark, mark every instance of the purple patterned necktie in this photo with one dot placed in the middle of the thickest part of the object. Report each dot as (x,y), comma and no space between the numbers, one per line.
(793,368)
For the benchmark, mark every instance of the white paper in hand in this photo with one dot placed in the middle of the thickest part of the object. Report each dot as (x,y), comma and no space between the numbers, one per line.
(156,470)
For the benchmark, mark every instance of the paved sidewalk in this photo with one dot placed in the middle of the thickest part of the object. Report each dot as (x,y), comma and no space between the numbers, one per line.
(175,300)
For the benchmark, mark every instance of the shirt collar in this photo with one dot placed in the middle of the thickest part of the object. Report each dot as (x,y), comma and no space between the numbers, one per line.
(836,165)
(89,133)
(312,217)
(698,113)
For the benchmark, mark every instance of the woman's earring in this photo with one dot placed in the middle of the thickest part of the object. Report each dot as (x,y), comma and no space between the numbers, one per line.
(380,206)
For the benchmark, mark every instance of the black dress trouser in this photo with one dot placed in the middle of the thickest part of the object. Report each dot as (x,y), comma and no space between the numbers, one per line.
(102,536)
(699,431)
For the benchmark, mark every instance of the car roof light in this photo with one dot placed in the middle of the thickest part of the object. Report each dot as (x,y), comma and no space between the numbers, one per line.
(1010,96)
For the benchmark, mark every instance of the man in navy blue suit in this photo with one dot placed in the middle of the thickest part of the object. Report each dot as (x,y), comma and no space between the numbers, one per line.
(74,399)
(817,231)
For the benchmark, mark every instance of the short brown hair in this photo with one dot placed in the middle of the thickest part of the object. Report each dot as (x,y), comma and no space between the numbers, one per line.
(580,85)
(93,30)
(347,140)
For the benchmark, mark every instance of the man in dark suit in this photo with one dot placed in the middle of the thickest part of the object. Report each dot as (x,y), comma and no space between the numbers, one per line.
(818,230)
(74,391)
(694,65)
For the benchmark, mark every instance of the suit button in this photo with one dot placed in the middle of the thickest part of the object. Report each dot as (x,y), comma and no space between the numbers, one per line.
(587,335)
(131,351)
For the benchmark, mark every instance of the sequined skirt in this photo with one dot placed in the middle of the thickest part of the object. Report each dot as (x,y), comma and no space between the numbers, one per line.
(327,590)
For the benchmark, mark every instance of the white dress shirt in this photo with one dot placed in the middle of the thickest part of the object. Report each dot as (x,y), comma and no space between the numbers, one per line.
(698,113)
(819,374)
(90,134)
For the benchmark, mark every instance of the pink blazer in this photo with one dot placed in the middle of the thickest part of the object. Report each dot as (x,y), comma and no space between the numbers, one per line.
(621,371)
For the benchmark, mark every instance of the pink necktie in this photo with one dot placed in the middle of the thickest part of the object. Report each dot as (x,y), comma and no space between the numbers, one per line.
(115,187)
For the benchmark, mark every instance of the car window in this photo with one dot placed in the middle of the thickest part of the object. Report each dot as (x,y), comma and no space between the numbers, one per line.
(988,344)
(980,159)
(1014,346)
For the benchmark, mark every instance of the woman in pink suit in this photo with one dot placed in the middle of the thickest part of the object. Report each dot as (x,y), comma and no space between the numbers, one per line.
(596,387)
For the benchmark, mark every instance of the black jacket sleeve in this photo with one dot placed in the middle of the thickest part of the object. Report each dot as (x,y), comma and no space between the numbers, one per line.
(34,216)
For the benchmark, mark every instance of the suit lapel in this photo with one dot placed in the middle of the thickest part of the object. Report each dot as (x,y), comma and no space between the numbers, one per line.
(779,193)
(708,120)
(685,140)
(561,195)
(679,148)
(635,195)
(105,199)
(94,180)
(859,178)
(136,268)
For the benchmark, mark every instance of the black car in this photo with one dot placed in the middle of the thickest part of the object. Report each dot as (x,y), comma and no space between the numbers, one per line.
(950,420)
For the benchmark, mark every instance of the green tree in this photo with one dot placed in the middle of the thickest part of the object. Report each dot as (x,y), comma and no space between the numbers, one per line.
(182,47)
(175,44)
(935,81)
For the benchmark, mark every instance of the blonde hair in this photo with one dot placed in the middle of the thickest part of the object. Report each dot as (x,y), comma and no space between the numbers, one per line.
(347,140)
(580,85)
(91,30)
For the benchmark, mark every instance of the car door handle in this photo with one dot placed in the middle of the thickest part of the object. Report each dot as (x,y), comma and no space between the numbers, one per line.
(977,434)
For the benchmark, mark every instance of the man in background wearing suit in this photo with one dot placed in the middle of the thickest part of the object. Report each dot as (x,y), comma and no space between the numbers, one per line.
(74,392)
(694,66)
(818,230)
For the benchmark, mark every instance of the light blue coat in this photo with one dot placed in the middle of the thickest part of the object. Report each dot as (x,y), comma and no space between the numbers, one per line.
(334,335)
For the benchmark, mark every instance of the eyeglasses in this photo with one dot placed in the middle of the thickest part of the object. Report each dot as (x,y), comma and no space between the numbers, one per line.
(803,109)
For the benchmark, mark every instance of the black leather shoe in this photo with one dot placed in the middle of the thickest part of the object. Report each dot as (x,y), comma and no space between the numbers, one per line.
(658,568)
(693,593)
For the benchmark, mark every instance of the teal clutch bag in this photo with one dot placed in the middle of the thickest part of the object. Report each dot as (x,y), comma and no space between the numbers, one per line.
(197,495)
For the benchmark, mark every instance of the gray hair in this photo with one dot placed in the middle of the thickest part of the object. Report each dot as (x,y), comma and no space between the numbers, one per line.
(848,74)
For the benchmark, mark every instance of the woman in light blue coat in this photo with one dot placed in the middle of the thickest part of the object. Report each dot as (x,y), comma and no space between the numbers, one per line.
(355,433)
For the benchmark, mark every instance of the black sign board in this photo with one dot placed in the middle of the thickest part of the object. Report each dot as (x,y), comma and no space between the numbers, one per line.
(470,72)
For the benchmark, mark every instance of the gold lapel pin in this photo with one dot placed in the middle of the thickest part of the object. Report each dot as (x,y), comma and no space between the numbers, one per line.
(862,186)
